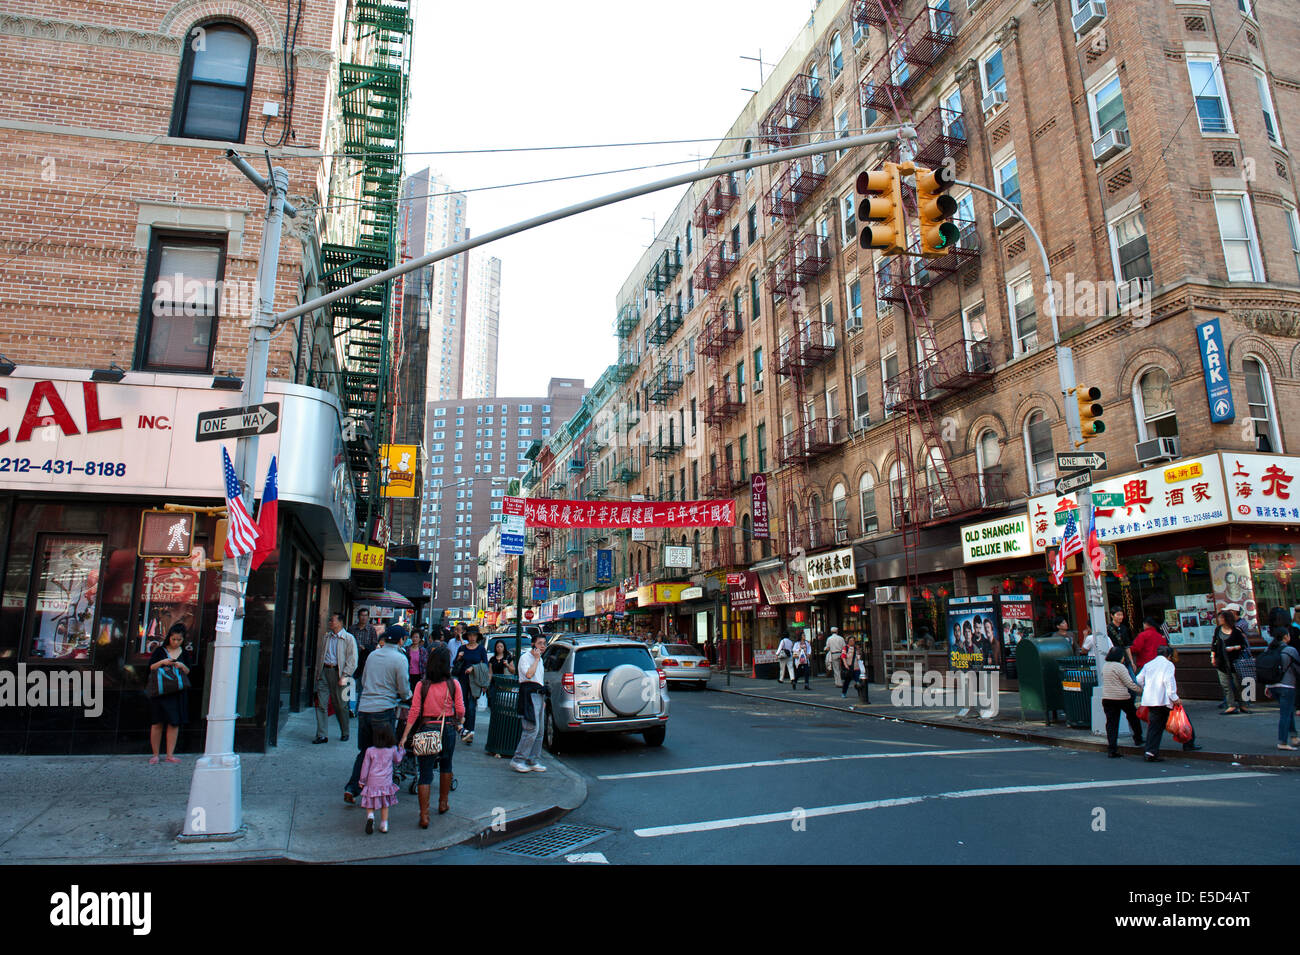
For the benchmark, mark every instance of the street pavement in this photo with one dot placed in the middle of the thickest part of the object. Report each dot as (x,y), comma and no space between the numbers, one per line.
(748,780)
(87,809)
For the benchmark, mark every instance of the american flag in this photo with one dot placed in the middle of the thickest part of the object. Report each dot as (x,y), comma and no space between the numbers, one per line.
(1071,544)
(241,532)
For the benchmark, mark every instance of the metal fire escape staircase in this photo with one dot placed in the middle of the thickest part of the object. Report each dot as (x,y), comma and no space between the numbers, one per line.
(373,91)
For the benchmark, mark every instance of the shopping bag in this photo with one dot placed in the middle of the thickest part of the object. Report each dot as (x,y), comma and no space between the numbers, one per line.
(1179,725)
(1144,714)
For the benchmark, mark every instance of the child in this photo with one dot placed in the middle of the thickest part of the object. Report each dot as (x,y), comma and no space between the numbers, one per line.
(378,791)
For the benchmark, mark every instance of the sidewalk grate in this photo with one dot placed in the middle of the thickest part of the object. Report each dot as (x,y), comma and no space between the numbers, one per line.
(554,841)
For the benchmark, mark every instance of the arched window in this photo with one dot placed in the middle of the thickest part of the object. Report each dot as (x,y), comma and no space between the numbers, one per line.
(1153,405)
(754,299)
(814,81)
(867,504)
(749,151)
(791,528)
(814,521)
(987,455)
(899,503)
(840,511)
(837,56)
(1040,459)
(936,482)
(739,312)
(215,84)
(1263,408)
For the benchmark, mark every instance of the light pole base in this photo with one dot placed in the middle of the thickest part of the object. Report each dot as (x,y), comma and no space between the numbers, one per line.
(216,809)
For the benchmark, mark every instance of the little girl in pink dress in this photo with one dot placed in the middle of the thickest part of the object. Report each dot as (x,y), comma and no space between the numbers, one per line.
(378,791)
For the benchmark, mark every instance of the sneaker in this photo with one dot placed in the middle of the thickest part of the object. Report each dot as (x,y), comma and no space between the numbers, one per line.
(1285,746)
(321,739)
(520,767)
(370,826)
(537,767)
(469,738)
(1152,759)
(383,828)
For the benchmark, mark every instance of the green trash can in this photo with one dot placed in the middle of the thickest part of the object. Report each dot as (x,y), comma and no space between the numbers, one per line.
(1078,677)
(1039,675)
(504,723)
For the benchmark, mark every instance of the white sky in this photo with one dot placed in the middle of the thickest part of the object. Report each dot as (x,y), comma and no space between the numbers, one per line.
(513,73)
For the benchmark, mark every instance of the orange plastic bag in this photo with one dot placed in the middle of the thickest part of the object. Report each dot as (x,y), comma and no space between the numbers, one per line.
(1179,725)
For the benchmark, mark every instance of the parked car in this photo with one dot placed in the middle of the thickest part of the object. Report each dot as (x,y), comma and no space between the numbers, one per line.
(682,663)
(603,683)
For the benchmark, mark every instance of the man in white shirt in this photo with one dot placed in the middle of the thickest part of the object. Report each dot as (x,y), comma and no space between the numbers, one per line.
(834,647)
(802,662)
(1159,694)
(785,657)
(532,707)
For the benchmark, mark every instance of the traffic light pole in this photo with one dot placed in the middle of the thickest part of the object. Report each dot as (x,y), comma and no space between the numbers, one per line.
(1094,593)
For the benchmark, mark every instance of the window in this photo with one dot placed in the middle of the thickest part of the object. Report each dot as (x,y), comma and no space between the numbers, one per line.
(840,512)
(987,453)
(1132,254)
(1263,410)
(1039,454)
(1024,315)
(992,74)
(855,305)
(841,130)
(1237,234)
(848,225)
(1266,103)
(860,31)
(837,56)
(951,117)
(899,69)
(215,84)
(751,220)
(888,372)
(867,504)
(178,321)
(897,495)
(754,298)
(1207,90)
(1008,179)
(758,370)
(740,381)
(760,437)
(861,400)
(975,324)
(1106,108)
(744,457)
(1153,403)
(749,152)
(737,311)
(1293,226)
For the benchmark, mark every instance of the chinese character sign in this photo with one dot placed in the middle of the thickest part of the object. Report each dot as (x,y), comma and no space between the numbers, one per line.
(604,566)
(758,506)
(1261,488)
(544,512)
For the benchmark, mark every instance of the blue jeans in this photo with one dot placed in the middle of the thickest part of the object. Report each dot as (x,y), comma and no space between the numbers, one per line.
(365,739)
(442,761)
(1285,712)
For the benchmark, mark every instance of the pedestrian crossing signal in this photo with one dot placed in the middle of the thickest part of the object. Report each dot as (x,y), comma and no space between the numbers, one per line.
(167,534)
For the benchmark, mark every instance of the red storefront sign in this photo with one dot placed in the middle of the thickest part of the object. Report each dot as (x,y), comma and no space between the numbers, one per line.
(758,506)
(744,593)
(544,512)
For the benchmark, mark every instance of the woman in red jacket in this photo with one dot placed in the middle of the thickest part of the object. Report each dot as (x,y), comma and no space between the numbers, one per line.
(437,702)
(1148,642)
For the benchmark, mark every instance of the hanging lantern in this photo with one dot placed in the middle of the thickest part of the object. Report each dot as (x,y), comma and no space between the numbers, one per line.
(1185,563)
(943,593)
(1283,575)
(1029,583)
(1151,566)
(1120,572)
(927,594)
(1257,562)
(1007,585)
(1287,561)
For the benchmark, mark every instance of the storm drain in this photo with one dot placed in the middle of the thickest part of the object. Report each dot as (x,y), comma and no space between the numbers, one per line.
(554,841)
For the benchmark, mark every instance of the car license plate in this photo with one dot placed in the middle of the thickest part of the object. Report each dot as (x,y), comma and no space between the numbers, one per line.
(588,710)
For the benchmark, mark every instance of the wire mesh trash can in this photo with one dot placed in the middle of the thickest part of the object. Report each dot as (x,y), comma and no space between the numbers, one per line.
(1078,678)
(504,724)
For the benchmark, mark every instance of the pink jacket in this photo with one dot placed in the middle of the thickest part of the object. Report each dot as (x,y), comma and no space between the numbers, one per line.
(438,702)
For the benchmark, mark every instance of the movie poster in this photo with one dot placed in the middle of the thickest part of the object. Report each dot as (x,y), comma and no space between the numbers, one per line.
(973,634)
(1017,624)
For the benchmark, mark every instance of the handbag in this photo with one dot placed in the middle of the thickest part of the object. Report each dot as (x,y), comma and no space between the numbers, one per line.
(427,741)
(1244,665)
(1144,714)
(1179,725)
(165,681)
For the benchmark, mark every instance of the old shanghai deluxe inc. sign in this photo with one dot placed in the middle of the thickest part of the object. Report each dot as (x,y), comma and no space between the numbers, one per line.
(993,540)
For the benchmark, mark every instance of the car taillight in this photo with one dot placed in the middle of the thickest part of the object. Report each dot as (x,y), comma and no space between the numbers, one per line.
(663,680)
(567,682)
(668,663)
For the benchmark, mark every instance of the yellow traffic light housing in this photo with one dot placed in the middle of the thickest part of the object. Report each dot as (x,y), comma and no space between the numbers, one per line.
(935,208)
(1090,411)
(880,208)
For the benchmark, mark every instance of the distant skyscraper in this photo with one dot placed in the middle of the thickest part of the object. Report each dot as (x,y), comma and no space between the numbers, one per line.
(482,315)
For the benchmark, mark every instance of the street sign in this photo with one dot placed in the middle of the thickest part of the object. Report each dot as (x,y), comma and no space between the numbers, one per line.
(1107,499)
(512,534)
(528,614)
(227,423)
(1072,482)
(1092,460)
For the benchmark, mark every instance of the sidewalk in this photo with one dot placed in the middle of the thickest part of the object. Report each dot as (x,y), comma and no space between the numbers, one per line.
(1246,739)
(98,809)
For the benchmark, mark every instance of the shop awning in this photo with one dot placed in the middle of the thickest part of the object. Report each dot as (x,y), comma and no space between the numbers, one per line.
(385,598)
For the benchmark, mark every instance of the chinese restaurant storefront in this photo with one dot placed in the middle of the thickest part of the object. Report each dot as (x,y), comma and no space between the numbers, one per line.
(81,462)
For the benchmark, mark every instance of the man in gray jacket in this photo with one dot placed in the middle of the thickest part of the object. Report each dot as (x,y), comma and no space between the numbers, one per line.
(387,685)
(336,661)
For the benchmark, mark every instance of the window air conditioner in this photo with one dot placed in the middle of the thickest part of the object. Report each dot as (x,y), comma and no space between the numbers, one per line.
(758,387)
(993,101)
(1004,217)
(1111,144)
(889,595)
(1089,15)
(862,422)
(1157,449)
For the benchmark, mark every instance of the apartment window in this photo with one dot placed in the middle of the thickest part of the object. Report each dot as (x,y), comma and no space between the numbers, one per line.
(992,74)
(855,305)
(178,321)
(837,56)
(1106,108)
(688,238)
(751,220)
(740,381)
(1245,7)
(754,298)
(987,453)
(749,152)
(1293,226)
(758,370)
(1266,103)
(1008,180)
(897,494)
(841,130)
(744,457)
(951,116)
(1153,401)
(1263,409)
(860,31)
(899,69)
(760,438)
(1207,90)
(1024,314)
(867,504)
(215,84)
(1039,454)
(848,224)
(1132,254)
(888,372)
(735,240)
(861,400)
(1237,234)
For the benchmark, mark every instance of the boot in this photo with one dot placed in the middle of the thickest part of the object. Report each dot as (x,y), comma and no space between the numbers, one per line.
(444,790)
(424,805)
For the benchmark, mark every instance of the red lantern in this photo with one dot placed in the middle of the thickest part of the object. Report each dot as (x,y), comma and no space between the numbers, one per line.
(1007,585)
(1120,572)
(943,593)
(1151,566)
(1185,563)
(927,594)
(1029,583)
(1256,562)
(1287,561)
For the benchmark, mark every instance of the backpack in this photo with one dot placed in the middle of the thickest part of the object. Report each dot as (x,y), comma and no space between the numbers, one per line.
(1269,666)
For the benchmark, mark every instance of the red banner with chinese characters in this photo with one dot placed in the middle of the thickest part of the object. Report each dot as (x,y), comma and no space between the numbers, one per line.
(544,512)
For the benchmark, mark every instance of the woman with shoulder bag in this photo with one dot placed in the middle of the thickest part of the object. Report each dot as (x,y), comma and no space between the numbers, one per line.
(437,711)
(1226,657)
(167,688)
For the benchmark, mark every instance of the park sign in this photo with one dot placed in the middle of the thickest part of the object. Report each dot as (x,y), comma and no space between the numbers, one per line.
(994,540)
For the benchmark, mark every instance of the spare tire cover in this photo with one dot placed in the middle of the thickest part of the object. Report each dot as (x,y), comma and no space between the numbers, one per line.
(624,689)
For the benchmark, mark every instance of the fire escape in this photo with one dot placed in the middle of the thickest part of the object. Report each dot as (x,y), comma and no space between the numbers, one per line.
(373,92)
(933,373)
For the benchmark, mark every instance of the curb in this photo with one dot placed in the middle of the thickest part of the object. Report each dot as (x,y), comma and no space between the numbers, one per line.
(1087,745)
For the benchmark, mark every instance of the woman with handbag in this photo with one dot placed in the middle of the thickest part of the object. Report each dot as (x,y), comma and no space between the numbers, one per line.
(1226,658)
(437,710)
(167,689)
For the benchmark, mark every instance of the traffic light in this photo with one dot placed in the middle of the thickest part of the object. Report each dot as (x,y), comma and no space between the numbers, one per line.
(167,534)
(1090,411)
(880,208)
(936,208)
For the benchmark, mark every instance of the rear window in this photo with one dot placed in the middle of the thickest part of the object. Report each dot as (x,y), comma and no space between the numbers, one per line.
(680,650)
(604,659)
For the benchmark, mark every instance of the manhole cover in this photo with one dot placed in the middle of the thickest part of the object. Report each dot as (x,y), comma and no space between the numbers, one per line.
(799,754)
(555,841)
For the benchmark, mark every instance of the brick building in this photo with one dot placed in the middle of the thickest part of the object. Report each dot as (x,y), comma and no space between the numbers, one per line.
(127,274)
(892,401)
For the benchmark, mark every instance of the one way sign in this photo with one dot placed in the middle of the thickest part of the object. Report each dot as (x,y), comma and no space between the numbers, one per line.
(238,422)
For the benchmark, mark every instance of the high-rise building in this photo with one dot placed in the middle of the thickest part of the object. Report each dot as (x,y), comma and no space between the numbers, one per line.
(475,448)
(482,316)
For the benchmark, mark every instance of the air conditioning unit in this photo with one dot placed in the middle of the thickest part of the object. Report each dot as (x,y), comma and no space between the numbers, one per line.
(993,101)
(1089,15)
(889,595)
(862,422)
(1004,217)
(1157,449)
(1111,144)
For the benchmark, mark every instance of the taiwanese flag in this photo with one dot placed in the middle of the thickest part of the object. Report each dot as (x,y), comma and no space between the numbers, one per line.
(266,519)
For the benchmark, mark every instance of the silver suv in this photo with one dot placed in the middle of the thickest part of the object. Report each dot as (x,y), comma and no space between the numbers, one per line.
(599,683)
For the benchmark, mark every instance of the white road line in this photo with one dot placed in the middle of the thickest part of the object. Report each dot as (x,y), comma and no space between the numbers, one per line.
(818,759)
(788,815)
